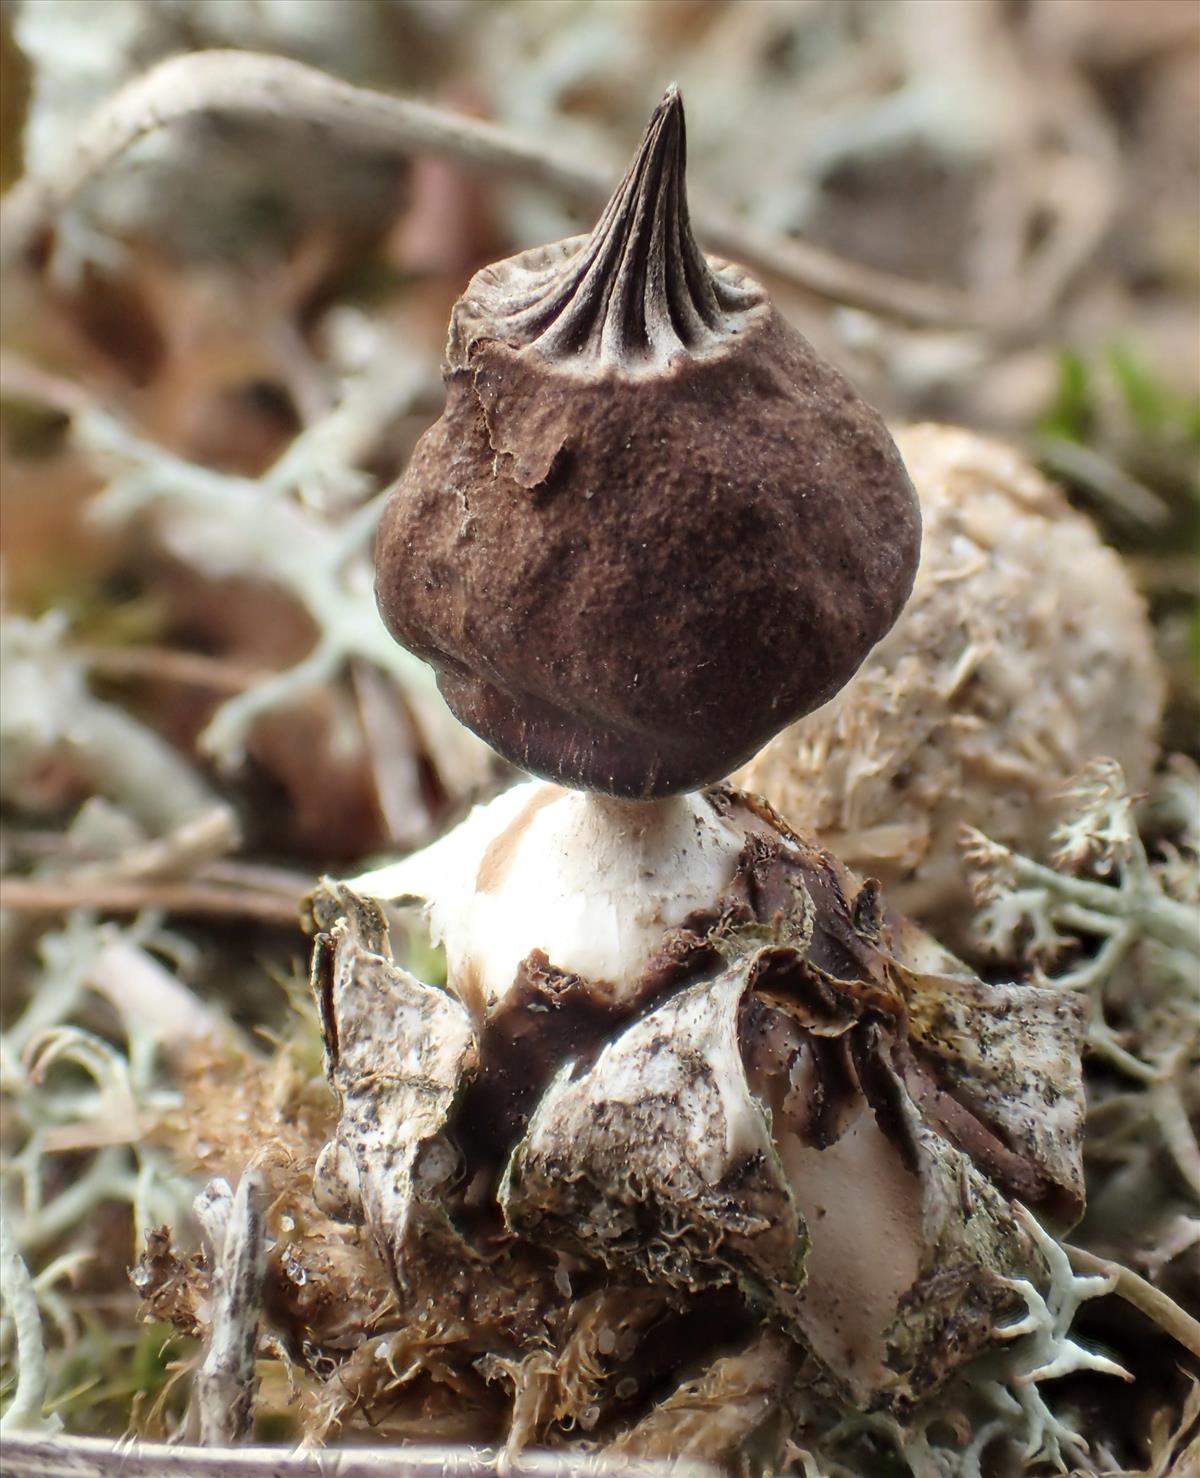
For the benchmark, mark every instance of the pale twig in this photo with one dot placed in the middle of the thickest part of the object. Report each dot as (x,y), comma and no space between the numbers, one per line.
(20,380)
(1171,1114)
(260,877)
(194,848)
(27,1456)
(53,895)
(1142,1294)
(156,875)
(179,872)
(395,762)
(247,85)
(168,665)
(179,852)
(226,1382)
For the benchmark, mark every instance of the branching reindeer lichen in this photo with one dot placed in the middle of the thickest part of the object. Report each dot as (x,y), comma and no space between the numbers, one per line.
(266,529)
(1102,887)
(69,1091)
(1046,1349)
(22,1326)
(305,526)
(997,1402)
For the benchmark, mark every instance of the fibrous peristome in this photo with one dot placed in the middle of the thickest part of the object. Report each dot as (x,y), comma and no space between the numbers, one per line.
(1023,652)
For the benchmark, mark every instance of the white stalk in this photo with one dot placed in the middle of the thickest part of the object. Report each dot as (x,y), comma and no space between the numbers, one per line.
(590,881)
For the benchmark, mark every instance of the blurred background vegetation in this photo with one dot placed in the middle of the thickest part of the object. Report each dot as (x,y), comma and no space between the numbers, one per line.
(1033,161)
(225,344)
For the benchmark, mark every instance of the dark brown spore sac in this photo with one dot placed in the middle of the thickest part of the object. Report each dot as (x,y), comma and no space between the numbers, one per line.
(651,528)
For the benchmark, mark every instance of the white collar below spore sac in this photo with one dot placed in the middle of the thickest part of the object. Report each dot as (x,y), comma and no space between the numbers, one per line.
(591,882)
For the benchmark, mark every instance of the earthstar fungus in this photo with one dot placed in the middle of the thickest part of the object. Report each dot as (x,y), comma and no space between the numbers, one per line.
(691,1097)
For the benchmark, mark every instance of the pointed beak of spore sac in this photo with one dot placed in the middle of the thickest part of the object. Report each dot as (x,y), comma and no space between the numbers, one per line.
(639,291)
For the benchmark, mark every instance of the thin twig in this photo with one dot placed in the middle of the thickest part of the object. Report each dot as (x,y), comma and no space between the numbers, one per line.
(180,852)
(246,85)
(23,381)
(226,1382)
(28,1456)
(156,1005)
(168,665)
(53,895)
(179,872)
(259,877)
(1143,1295)
(1175,1125)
